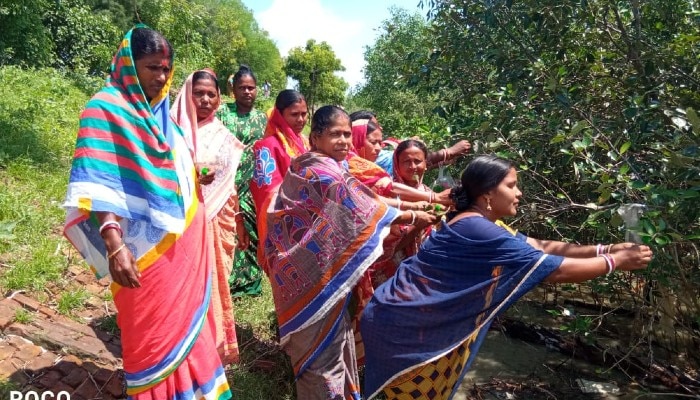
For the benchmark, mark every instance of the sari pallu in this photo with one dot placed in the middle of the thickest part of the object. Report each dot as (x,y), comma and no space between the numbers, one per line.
(325,229)
(424,326)
(217,148)
(131,160)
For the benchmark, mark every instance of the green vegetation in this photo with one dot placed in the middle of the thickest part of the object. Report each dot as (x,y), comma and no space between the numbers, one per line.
(264,371)
(71,301)
(596,102)
(38,121)
(23,316)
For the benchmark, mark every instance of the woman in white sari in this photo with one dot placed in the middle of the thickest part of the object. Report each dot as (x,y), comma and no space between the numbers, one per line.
(217,155)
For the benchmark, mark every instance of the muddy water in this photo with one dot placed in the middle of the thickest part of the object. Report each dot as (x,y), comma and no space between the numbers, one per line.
(508,368)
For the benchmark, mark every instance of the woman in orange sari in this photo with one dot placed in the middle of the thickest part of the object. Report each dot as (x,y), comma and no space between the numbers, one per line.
(273,153)
(217,150)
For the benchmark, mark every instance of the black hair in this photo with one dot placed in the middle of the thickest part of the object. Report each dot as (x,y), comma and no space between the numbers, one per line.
(204,75)
(146,42)
(410,143)
(371,126)
(481,175)
(243,70)
(325,117)
(288,97)
(362,114)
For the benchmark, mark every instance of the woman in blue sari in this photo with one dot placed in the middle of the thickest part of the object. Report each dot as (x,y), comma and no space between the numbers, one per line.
(424,326)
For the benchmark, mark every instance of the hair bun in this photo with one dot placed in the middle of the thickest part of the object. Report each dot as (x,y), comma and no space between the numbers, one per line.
(243,68)
(460,198)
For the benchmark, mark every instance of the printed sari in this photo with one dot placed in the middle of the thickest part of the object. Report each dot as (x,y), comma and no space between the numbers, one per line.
(133,161)
(246,278)
(424,326)
(273,156)
(216,147)
(325,230)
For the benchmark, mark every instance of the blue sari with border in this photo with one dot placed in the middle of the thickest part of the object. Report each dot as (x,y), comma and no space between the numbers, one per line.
(424,326)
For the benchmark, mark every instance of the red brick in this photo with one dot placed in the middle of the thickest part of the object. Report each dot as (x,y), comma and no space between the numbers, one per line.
(103,376)
(28,351)
(87,390)
(16,340)
(6,350)
(8,309)
(50,379)
(44,361)
(116,387)
(75,377)
(65,367)
(9,366)
(32,304)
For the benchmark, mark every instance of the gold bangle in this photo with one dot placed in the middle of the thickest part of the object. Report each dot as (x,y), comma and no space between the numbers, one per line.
(114,253)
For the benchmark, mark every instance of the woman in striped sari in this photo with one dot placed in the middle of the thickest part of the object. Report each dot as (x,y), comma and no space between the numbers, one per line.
(135,213)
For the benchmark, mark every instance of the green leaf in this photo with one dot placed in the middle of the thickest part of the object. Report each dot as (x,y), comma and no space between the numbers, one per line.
(694,120)
(625,147)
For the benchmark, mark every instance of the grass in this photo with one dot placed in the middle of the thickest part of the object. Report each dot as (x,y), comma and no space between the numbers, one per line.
(39,113)
(23,316)
(71,301)
(264,371)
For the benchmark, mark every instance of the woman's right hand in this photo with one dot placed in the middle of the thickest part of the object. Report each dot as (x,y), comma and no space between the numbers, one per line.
(424,219)
(444,198)
(122,267)
(631,256)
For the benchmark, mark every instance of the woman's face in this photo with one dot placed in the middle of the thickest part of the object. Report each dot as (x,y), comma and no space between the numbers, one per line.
(335,141)
(153,72)
(205,96)
(295,115)
(245,91)
(506,196)
(373,144)
(411,165)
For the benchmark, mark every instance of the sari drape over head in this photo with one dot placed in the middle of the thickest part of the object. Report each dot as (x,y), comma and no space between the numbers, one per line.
(324,230)
(133,161)
(424,326)
(216,148)
(364,170)
(273,156)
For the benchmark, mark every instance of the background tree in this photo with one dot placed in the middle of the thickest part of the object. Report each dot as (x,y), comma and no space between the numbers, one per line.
(597,102)
(313,67)
(404,111)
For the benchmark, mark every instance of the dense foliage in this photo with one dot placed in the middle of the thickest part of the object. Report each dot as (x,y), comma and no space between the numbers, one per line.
(596,101)
(81,35)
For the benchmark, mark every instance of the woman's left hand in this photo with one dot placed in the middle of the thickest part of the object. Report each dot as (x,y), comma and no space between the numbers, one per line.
(242,238)
(206,179)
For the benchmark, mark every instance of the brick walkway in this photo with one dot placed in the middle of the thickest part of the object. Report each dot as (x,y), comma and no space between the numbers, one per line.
(54,353)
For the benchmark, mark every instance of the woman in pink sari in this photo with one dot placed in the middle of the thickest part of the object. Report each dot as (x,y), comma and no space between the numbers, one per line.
(273,153)
(217,150)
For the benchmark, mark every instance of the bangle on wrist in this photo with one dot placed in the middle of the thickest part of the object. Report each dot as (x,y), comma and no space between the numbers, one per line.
(610,262)
(399,206)
(111,225)
(413,217)
(114,253)
(444,155)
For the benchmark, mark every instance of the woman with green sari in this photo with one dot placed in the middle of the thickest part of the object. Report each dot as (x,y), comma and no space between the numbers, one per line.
(248,125)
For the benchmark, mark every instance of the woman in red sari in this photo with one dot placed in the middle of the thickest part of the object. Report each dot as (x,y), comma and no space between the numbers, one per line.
(273,153)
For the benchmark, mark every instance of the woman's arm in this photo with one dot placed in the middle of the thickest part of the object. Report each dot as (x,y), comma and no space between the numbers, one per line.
(574,270)
(122,265)
(562,248)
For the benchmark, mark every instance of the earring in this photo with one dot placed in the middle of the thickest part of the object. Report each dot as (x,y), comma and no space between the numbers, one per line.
(488,204)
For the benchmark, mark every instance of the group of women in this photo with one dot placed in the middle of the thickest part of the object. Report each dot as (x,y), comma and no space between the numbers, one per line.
(361,269)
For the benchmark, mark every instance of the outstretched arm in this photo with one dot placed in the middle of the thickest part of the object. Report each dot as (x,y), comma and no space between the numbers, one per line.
(627,257)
